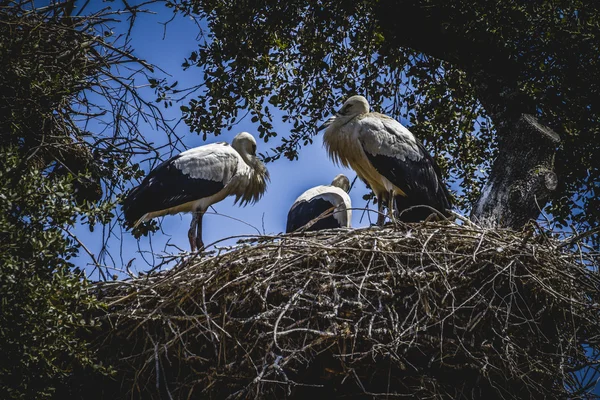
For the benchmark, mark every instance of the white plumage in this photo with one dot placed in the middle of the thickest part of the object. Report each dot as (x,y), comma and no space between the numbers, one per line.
(387,156)
(330,203)
(197,178)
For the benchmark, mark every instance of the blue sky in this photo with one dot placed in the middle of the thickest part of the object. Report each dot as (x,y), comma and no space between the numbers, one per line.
(288,179)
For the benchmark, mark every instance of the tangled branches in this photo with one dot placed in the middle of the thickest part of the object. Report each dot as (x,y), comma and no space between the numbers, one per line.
(76,103)
(432,311)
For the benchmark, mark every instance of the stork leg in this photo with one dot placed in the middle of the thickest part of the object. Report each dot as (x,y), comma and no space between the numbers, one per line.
(390,206)
(380,214)
(199,242)
(192,232)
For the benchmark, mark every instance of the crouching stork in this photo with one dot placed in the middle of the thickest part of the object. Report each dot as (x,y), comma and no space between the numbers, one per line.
(389,158)
(194,180)
(330,202)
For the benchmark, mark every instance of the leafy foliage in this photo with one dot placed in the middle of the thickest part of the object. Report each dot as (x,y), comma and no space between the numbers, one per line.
(69,113)
(43,300)
(449,68)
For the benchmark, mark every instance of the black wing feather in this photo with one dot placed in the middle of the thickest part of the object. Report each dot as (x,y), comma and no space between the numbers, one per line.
(164,187)
(305,211)
(419,180)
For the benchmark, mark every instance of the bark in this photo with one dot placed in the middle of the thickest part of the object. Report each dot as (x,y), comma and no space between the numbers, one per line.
(522,178)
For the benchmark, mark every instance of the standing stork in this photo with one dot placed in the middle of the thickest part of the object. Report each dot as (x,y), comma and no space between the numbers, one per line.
(330,202)
(197,178)
(387,156)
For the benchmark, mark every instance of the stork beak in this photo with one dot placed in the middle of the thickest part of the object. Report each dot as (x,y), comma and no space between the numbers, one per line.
(326,123)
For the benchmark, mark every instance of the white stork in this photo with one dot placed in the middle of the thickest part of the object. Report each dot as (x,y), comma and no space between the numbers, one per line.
(387,156)
(197,178)
(331,202)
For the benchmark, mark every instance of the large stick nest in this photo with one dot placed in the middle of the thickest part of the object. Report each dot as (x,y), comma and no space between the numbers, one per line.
(431,311)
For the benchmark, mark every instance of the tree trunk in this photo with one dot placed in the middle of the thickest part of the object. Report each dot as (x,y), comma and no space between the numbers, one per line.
(522,177)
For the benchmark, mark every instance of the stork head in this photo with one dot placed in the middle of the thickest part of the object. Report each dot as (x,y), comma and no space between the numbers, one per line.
(352,107)
(245,144)
(355,105)
(342,182)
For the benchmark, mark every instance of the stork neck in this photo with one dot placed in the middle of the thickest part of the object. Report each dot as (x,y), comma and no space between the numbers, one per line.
(248,159)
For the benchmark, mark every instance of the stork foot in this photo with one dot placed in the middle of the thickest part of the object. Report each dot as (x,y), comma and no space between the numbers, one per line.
(432,217)
(380,213)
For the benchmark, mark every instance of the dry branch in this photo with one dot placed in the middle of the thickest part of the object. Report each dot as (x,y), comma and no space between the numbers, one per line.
(431,311)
